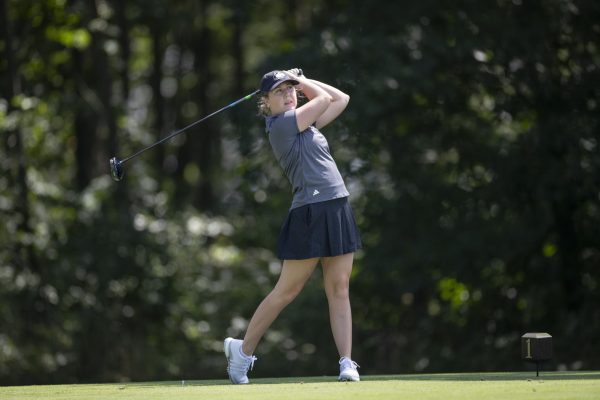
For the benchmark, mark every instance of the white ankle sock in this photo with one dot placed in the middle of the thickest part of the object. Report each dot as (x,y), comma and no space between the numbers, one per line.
(243,354)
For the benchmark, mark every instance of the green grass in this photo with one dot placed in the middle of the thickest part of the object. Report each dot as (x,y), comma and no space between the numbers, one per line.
(483,386)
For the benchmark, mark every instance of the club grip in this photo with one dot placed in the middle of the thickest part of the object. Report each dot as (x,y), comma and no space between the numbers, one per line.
(296,71)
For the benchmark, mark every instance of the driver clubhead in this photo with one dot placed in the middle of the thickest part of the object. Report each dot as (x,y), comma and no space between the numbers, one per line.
(116,169)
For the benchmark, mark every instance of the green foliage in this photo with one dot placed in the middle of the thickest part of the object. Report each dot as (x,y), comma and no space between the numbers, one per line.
(470,147)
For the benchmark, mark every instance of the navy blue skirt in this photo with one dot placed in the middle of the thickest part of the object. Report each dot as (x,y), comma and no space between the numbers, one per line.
(324,229)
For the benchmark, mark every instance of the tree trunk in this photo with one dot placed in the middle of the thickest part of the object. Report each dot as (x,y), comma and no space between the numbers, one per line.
(124,48)
(203,145)
(103,80)
(95,121)
(125,54)
(155,81)
(25,256)
(244,139)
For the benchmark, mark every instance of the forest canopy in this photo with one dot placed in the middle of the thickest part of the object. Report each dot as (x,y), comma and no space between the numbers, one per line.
(470,148)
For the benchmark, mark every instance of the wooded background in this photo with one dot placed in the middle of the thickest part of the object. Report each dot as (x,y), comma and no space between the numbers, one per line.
(470,147)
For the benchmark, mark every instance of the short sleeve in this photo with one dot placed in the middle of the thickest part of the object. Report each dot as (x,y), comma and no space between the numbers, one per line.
(282,132)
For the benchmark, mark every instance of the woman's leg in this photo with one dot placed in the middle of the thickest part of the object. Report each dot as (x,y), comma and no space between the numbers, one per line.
(336,275)
(294,274)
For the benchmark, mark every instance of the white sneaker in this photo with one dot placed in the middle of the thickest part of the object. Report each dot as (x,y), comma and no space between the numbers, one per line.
(348,370)
(238,364)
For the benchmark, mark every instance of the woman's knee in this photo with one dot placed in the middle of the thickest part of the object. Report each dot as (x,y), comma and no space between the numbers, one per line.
(336,274)
(338,289)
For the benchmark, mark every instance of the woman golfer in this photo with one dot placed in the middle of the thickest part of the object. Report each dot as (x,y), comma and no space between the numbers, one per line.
(320,225)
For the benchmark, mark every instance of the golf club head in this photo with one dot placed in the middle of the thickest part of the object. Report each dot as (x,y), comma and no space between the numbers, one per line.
(116,169)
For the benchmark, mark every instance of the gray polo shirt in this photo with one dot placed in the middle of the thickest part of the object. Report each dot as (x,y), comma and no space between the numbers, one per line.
(305,159)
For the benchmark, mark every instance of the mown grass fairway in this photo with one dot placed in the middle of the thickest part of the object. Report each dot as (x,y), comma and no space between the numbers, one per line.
(512,386)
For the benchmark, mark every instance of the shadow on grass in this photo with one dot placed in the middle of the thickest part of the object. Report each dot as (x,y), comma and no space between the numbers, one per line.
(458,377)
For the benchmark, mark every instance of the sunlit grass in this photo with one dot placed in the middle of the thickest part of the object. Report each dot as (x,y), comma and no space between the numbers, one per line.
(513,386)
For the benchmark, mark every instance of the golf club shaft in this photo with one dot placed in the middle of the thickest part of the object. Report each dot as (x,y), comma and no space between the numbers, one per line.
(247,97)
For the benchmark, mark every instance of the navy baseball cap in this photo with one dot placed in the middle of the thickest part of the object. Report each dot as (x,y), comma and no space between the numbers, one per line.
(273,79)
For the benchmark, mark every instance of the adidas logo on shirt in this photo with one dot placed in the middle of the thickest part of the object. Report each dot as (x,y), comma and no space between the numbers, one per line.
(316,192)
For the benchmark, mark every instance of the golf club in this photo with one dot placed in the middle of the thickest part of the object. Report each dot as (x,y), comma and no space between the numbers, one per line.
(116,165)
